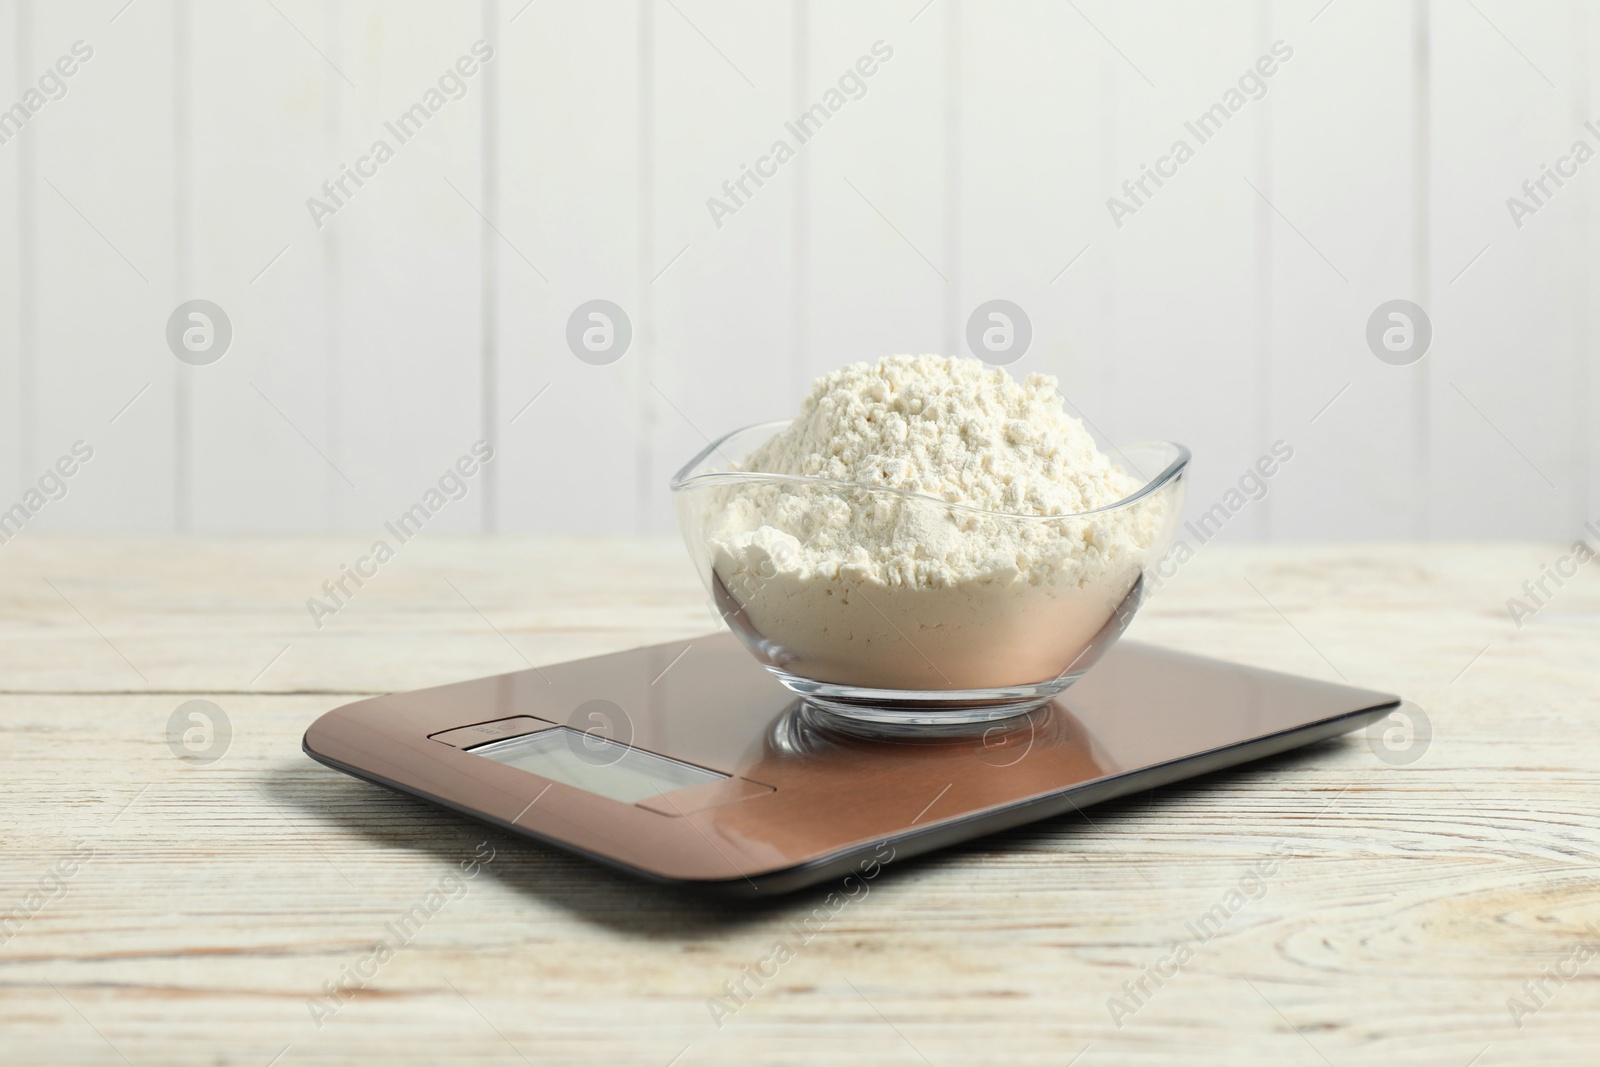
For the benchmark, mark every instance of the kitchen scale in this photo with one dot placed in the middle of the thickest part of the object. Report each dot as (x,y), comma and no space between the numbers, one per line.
(687,763)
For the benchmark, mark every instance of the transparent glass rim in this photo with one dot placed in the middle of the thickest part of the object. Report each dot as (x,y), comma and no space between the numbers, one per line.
(686,479)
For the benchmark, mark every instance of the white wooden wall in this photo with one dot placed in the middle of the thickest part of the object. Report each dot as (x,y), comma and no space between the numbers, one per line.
(369,354)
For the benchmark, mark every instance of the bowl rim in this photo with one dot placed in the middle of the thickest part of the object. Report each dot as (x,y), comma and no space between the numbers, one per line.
(684,480)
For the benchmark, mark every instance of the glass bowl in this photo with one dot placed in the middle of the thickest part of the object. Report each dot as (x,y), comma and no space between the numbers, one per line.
(897,641)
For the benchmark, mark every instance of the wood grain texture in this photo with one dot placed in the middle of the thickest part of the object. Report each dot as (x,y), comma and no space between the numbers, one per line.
(1414,901)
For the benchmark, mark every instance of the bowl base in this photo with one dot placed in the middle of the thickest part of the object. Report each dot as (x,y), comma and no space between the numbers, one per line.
(859,708)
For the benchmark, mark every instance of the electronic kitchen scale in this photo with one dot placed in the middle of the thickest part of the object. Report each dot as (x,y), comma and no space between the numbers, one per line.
(689,764)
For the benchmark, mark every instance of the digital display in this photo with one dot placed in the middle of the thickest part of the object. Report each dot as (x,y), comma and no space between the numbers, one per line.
(596,764)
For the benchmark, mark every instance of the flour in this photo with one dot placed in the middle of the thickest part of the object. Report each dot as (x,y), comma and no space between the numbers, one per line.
(898,589)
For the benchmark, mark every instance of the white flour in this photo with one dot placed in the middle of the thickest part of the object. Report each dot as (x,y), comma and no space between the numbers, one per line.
(903,587)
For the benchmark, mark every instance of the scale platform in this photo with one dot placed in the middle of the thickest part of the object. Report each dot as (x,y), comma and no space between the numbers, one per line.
(687,763)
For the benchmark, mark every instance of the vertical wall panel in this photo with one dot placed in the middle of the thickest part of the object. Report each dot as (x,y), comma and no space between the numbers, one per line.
(1505,433)
(1585,281)
(1342,158)
(571,193)
(14,434)
(102,280)
(721,294)
(1228,311)
(1030,178)
(879,277)
(408,372)
(259,152)
(1181,361)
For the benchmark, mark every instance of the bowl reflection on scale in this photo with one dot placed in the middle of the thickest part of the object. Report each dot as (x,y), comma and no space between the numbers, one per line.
(862,788)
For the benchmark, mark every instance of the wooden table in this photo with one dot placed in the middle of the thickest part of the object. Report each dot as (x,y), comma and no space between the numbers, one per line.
(208,907)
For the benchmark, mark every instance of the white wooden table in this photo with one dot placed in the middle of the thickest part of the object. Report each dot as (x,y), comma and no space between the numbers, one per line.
(167,913)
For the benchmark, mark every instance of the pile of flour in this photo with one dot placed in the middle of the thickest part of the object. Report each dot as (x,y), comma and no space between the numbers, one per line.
(845,581)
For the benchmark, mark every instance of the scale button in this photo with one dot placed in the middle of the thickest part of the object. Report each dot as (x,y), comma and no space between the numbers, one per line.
(703,797)
(464,736)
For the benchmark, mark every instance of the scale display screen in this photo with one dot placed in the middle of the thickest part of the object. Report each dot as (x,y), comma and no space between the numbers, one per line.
(596,764)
